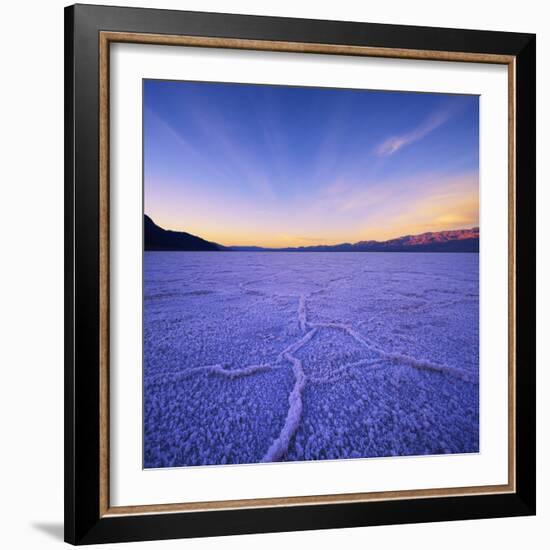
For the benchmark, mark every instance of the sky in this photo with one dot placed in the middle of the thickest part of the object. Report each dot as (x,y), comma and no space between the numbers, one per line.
(280,166)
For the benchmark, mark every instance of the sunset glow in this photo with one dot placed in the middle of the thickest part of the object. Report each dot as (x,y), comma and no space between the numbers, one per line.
(278,166)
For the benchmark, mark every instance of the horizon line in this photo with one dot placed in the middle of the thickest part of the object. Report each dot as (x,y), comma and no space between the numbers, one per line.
(348,242)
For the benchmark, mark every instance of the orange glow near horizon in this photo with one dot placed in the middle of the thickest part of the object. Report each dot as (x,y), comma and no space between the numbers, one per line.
(281,166)
(350,215)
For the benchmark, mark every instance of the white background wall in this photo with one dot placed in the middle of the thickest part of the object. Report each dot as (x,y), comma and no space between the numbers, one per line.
(31,274)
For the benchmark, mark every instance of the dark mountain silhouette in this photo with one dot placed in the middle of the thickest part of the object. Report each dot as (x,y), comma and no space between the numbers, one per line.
(458,240)
(156,238)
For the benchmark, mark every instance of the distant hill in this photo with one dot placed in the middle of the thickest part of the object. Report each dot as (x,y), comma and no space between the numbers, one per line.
(458,240)
(156,238)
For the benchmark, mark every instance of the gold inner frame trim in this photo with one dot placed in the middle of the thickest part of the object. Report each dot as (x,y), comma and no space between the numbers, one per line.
(105,39)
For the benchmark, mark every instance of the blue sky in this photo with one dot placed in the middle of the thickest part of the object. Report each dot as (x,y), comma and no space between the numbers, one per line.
(245,164)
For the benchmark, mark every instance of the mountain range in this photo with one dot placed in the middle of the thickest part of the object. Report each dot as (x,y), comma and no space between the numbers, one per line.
(457,240)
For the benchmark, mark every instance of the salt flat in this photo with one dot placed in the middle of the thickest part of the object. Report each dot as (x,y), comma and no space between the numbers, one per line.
(265,356)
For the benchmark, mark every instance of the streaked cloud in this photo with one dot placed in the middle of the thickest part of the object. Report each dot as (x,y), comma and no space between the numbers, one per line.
(394,143)
(284,166)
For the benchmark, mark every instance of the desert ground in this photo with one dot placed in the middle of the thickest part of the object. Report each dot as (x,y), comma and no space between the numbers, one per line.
(283,356)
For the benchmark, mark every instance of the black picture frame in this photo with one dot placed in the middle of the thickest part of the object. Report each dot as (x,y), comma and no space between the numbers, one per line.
(84,524)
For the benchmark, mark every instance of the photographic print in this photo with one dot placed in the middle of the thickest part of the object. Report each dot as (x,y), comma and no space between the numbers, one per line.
(310,273)
(277,309)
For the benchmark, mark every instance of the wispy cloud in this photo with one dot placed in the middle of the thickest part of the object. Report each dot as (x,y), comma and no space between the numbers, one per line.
(223,159)
(277,166)
(395,143)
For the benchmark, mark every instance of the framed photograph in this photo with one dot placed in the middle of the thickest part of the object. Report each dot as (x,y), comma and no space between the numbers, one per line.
(300,274)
